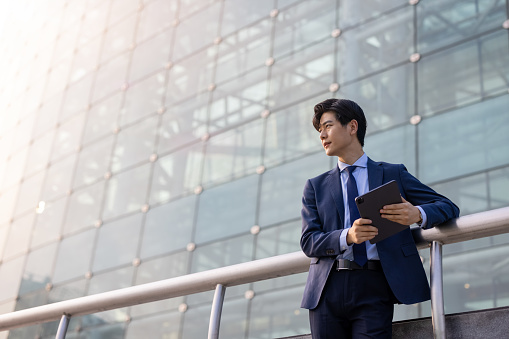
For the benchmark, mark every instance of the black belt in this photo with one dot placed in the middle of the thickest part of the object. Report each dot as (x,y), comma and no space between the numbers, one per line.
(343,264)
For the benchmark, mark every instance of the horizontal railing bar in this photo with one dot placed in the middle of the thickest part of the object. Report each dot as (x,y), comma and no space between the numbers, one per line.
(469,227)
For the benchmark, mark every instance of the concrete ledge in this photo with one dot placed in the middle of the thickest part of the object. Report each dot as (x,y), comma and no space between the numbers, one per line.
(492,323)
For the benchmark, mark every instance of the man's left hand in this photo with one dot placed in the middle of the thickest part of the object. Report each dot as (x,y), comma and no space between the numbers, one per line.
(404,213)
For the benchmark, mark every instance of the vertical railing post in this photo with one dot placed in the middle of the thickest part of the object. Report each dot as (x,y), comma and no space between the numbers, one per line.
(437,291)
(215,313)
(62,327)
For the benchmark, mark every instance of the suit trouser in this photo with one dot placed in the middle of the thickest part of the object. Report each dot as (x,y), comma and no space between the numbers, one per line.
(354,304)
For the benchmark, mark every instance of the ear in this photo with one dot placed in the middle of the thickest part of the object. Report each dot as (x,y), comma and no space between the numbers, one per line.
(354,125)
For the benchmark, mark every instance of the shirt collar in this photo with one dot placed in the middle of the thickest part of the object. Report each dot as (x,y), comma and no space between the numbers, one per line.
(361,162)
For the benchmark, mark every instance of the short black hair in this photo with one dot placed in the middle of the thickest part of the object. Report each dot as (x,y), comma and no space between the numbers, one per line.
(345,111)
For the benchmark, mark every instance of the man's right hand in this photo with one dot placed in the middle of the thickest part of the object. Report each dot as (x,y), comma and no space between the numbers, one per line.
(361,231)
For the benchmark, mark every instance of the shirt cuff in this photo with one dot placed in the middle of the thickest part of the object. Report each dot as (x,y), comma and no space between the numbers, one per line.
(424,219)
(343,245)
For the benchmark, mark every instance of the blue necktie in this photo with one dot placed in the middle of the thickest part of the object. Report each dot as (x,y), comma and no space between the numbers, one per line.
(359,250)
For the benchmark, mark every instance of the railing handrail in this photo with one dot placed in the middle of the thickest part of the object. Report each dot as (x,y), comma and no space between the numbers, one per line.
(469,227)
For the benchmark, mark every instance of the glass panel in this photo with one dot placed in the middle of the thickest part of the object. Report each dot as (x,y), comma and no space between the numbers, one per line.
(7,201)
(396,146)
(191,39)
(38,155)
(84,207)
(57,78)
(498,188)
(191,75)
(71,263)
(494,63)
(105,282)
(4,230)
(68,137)
(23,132)
(28,195)
(223,253)
(94,19)
(143,98)
(285,183)
(183,123)
(176,174)
(58,178)
(156,15)
(353,12)
(151,55)
(168,227)
(233,154)
(482,137)
(119,237)
(134,144)
(193,325)
(77,97)
(49,222)
(233,318)
(166,325)
(386,41)
(110,77)
(238,100)
(277,314)
(14,169)
(38,269)
(122,8)
(243,50)
(303,73)
(47,116)
(126,192)
(461,86)
(278,240)
(191,6)
(303,24)
(441,23)
(290,133)
(470,193)
(171,266)
(387,98)
(238,14)
(19,236)
(10,276)
(119,38)
(25,302)
(114,331)
(93,162)
(227,209)
(102,118)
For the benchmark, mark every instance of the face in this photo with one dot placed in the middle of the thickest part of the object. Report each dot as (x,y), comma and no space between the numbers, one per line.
(337,140)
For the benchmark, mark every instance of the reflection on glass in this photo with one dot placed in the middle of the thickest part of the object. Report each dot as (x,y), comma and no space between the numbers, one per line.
(102,118)
(384,42)
(28,195)
(290,134)
(278,240)
(119,37)
(119,237)
(155,16)
(387,98)
(285,184)
(166,325)
(494,63)
(84,208)
(168,227)
(47,116)
(233,154)
(143,98)
(58,178)
(110,77)
(49,223)
(93,162)
(38,269)
(477,141)
(126,192)
(68,137)
(227,209)
(176,174)
(498,187)
(38,154)
(152,55)
(353,12)
(134,144)
(76,97)
(71,263)
(10,276)
(19,236)
(396,145)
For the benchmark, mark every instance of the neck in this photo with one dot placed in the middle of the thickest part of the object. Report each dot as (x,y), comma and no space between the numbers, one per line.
(351,157)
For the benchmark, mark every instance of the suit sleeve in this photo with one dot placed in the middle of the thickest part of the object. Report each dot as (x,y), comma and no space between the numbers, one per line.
(315,241)
(438,208)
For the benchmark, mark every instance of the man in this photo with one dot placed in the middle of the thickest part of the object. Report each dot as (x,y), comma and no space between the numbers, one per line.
(352,284)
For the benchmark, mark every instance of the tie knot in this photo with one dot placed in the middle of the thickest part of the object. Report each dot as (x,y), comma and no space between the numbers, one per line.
(350,169)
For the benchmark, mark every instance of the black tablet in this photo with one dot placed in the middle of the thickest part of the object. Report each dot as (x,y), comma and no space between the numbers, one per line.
(371,203)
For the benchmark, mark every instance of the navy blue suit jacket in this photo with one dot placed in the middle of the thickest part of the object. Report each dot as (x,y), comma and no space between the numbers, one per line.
(322,222)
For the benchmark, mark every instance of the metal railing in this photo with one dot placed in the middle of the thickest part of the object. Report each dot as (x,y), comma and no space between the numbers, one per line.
(469,227)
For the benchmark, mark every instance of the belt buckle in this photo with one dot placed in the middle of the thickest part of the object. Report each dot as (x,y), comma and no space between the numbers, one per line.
(343,264)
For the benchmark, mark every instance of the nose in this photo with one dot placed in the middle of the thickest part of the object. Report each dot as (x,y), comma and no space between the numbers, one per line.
(323,135)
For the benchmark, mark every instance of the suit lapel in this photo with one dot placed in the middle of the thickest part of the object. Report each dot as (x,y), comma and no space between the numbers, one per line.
(375,174)
(334,183)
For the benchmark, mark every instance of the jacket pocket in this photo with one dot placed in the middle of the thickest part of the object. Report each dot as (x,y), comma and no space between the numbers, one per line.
(409,249)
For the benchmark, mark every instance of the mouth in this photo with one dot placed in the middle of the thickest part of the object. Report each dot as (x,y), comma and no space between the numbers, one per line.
(326,144)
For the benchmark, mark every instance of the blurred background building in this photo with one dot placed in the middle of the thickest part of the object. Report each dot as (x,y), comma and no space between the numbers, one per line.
(143,140)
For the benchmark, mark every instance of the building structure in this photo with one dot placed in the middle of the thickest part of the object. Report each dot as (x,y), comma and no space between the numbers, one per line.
(142,140)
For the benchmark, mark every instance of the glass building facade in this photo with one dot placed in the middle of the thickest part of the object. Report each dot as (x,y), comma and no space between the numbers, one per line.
(146,139)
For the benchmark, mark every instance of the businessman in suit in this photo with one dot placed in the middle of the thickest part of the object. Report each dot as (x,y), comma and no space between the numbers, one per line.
(352,284)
